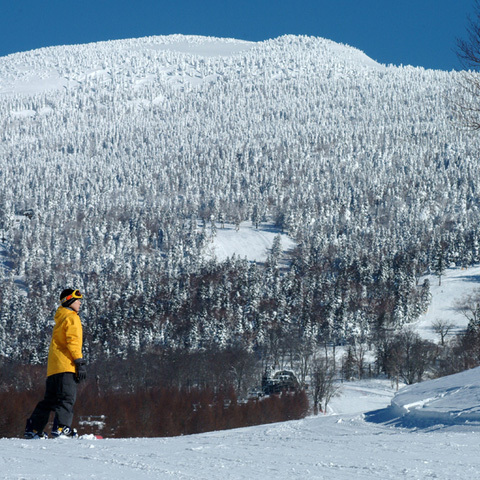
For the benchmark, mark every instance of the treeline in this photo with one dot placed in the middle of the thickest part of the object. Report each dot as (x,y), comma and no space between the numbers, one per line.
(404,356)
(272,309)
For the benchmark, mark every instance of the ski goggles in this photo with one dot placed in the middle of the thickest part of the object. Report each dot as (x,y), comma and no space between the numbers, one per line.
(74,295)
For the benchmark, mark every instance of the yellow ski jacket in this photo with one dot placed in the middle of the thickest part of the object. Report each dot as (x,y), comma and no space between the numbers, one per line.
(66,344)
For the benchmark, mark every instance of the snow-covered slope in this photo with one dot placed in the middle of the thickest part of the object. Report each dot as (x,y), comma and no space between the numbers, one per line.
(49,69)
(457,284)
(427,430)
(343,446)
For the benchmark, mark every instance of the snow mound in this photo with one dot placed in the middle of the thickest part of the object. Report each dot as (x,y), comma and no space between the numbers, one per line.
(196,45)
(452,401)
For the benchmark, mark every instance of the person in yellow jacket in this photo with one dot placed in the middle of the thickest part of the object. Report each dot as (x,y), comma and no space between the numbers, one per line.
(65,368)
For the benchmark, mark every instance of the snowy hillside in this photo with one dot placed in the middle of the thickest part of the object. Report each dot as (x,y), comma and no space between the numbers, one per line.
(452,401)
(50,69)
(457,284)
(342,446)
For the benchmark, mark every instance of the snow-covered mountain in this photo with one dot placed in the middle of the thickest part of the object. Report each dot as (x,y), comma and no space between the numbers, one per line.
(119,160)
(361,439)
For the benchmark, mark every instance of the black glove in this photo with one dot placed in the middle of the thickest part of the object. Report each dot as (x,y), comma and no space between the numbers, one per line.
(81,368)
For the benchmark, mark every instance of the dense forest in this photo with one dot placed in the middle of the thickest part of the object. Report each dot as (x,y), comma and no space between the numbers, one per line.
(119,160)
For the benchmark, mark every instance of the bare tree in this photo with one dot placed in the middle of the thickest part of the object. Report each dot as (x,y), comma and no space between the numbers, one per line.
(323,384)
(469,307)
(410,356)
(443,328)
(348,364)
(360,352)
(354,361)
(468,51)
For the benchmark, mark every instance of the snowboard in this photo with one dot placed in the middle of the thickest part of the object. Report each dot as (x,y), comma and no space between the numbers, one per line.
(86,436)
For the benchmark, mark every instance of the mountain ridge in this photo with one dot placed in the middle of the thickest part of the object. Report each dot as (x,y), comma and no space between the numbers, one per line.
(48,77)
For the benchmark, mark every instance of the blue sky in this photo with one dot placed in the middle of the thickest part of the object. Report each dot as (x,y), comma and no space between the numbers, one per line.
(408,32)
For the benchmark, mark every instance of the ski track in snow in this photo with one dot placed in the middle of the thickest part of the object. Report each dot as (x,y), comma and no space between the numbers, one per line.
(333,447)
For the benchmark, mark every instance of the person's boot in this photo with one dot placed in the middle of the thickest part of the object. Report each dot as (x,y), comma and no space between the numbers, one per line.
(64,431)
(32,434)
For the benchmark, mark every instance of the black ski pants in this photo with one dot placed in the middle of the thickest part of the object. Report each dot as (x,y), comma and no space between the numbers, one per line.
(60,396)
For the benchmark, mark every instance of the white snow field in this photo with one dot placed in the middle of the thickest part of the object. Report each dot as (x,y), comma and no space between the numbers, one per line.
(246,242)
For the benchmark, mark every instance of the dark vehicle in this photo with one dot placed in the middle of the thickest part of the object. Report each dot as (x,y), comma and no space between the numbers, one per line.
(282,381)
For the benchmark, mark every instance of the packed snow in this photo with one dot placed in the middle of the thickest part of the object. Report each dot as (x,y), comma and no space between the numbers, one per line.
(448,401)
